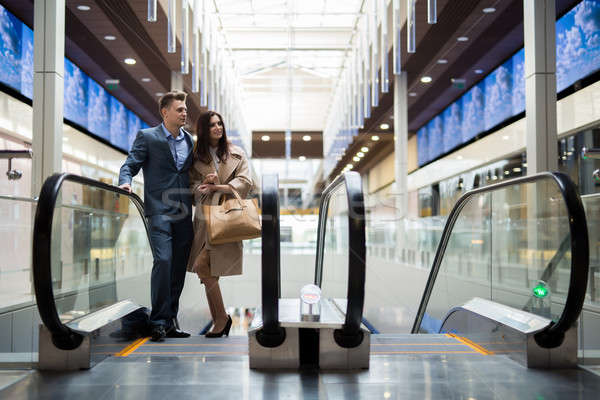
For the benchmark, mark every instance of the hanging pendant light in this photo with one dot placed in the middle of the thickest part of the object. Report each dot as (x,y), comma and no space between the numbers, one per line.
(185,36)
(151,10)
(204,80)
(171,27)
(374,56)
(410,26)
(432,11)
(397,40)
(385,78)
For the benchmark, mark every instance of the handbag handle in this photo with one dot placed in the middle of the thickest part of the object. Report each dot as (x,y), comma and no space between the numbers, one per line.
(237,196)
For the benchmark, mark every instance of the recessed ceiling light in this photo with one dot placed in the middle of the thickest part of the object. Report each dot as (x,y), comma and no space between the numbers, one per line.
(364,149)
(506,172)
(384,126)
(146,79)
(265,138)
(459,157)
(516,169)
(302,158)
(505,137)
(129,61)
(426,79)
(374,138)
(462,38)
(356,159)
(349,166)
(83,8)
(110,37)
(442,61)
(360,154)
(306,138)
(479,71)
(489,10)
(158,94)
(412,94)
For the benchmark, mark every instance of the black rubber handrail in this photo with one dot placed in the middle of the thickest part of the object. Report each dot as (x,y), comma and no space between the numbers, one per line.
(553,335)
(62,336)
(350,335)
(271,334)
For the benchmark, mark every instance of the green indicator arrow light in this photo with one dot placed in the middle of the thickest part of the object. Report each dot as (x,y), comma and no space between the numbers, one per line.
(540,291)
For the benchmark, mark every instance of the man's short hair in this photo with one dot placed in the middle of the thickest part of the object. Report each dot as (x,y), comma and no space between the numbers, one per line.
(169,97)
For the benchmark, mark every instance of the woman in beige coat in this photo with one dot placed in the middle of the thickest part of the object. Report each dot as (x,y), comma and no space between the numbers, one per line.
(218,167)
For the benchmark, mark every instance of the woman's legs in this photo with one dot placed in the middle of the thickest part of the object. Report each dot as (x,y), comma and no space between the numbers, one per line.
(215,303)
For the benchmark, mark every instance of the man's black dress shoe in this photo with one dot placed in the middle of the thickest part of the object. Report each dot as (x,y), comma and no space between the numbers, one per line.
(175,333)
(158,333)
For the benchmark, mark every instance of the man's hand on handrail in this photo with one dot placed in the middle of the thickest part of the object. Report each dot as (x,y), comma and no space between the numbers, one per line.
(126,187)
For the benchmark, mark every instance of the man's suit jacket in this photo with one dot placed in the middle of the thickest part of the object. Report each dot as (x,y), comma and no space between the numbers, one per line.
(166,189)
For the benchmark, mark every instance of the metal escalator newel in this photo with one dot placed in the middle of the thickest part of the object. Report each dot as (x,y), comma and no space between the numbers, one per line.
(310,303)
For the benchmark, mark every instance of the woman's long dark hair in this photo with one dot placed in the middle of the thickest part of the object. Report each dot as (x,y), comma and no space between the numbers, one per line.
(201,151)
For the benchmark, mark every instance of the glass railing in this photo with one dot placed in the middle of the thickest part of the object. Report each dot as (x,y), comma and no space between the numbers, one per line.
(91,251)
(16,290)
(18,319)
(591,204)
(588,338)
(336,245)
(521,243)
(340,265)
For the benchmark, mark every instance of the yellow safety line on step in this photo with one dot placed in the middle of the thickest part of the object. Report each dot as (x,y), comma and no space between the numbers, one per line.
(132,347)
(471,344)
(416,344)
(197,344)
(424,352)
(191,352)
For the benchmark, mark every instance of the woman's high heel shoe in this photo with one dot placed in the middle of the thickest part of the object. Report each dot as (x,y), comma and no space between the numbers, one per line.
(225,330)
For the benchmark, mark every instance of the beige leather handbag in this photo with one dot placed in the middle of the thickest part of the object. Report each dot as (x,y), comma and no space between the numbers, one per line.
(232,220)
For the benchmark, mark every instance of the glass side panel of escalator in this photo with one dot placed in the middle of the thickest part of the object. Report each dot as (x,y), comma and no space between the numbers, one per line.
(18,319)
(336,246)
(101,253)
(589,324)
(511,246)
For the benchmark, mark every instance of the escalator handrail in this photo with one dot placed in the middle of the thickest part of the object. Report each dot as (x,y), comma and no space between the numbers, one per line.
(62,336)
(579,246)
(356,246)
(270,257)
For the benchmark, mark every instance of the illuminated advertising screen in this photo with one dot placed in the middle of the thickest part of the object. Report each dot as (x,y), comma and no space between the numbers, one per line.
(76,94)
(86,103)
(501,94)
(452,126)
(497,96)
(118,124)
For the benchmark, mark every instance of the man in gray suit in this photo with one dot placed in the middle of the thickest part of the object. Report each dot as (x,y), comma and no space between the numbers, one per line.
(164,153)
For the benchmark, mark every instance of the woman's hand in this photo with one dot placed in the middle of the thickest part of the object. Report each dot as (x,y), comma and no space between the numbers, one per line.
(210,188)
(206,188)
(211,178)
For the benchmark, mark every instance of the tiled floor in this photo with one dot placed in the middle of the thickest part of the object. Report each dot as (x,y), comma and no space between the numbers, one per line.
(406,370)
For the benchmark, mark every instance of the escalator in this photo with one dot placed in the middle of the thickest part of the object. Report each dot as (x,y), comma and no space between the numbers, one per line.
(85,295)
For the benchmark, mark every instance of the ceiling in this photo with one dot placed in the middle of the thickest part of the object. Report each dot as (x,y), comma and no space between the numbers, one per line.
(102,59)
(492,38)
(289,55)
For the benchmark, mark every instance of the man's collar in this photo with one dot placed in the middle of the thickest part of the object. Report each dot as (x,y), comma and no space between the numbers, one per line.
(167,133)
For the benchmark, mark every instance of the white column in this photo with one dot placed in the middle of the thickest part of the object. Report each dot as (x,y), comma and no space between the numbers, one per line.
(540,85)
(48,89)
